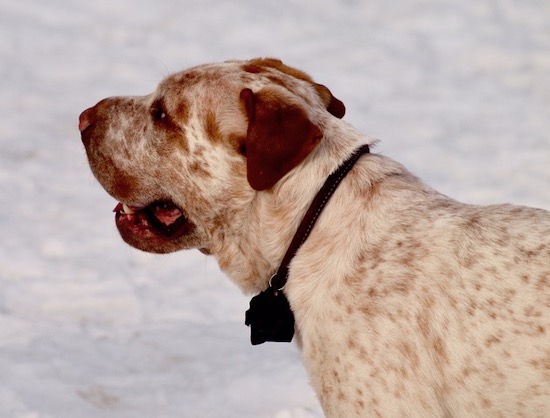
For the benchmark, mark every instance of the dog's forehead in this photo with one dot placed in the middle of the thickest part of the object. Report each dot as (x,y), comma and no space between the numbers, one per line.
(208,73)
(231,75)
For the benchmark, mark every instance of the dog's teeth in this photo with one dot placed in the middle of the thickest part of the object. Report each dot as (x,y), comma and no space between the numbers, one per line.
(127,210)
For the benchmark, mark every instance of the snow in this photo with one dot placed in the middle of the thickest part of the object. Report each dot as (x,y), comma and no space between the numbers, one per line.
(458,91)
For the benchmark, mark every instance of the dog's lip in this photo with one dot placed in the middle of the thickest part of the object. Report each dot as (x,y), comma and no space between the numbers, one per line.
(159,219)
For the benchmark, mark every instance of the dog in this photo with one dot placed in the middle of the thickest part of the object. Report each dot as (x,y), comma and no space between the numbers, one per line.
(406,302)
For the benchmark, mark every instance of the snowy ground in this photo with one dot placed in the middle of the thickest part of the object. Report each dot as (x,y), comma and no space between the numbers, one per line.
(457,90)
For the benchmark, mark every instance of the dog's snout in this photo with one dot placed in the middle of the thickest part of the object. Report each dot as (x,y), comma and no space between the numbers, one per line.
(86,119)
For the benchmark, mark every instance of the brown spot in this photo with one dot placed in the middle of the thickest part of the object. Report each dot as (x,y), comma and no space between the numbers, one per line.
(314,351)
(492,270)
(277,80)
(374,373)
(492,340)
(177,137)
(408,259)
(440,351)
(409,354)
(469,261)
(352,344)
(352,280)
(198,168)
(471,308)
(375,257)
(423,325)
(429,300)
(532,311)
(339,319)
(253,68)
(199,151)
(368,310)
(544,282)
(363,355)
(473,223)
(399,391)
(469,371)
(184,80)
(403,286)
(212,128)
(486,403)
(182,113)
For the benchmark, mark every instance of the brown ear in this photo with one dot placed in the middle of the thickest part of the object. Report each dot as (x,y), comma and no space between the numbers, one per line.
(279,137)
(333,105)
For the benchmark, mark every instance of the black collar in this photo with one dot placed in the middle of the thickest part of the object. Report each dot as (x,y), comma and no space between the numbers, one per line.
(270,317)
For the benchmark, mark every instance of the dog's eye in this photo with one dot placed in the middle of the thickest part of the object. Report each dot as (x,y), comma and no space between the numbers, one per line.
(157,111)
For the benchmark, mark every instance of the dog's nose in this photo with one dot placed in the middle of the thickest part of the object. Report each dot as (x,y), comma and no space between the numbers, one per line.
(86,119)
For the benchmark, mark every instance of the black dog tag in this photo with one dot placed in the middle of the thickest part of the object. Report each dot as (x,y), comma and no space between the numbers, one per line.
(270,318)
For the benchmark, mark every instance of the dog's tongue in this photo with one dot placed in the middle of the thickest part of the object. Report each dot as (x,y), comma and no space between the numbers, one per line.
(167,214)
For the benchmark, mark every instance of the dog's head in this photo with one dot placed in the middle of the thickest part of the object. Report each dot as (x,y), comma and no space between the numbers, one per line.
(184,160)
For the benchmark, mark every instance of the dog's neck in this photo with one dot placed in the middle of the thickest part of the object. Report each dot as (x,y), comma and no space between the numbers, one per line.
(273,216)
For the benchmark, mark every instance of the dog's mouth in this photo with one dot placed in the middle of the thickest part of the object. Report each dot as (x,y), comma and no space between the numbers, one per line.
(160,220)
